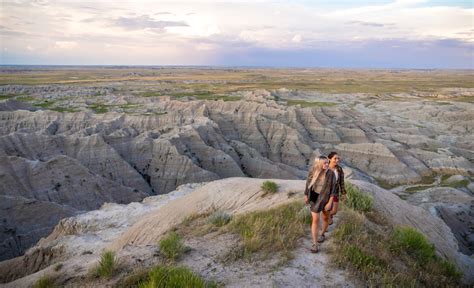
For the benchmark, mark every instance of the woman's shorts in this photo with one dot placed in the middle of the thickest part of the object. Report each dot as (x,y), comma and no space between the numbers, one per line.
(336,199)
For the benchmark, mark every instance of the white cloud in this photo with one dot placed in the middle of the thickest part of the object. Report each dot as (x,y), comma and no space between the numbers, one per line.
(65,45)
(297,38)
(30,48)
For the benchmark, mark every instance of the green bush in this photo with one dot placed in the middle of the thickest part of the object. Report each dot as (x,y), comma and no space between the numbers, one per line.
(357,200)
(170,277)
(219,218)
(269,187)
(171,246)
(107,264)
(413,242)
(44,282)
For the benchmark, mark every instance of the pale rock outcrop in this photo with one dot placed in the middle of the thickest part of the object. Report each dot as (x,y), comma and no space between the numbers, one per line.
(377,160)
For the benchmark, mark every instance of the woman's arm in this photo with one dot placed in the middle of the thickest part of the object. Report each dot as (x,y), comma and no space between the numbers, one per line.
(306,189)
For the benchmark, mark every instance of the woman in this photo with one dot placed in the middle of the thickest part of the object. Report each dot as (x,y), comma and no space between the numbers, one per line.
(340,190)
(318,192)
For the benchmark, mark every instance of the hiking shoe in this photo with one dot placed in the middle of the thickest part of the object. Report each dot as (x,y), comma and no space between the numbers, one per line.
(321,238)
(314,248)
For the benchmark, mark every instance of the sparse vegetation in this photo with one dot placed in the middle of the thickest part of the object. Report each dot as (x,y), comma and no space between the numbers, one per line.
(304,103)
(107,264)
(357,200)
(269,187)
(173,276)
(44,282)
(171,246)
(219,218)
(98,108)
(381,255)
(270,231)
(412,242)
(58,267)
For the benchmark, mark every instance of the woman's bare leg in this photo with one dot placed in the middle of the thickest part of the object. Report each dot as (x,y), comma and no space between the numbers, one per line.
(335,206)
(314,226)
(325,222)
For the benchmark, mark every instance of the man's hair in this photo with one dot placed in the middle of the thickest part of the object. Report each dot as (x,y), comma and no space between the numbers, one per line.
(332,154)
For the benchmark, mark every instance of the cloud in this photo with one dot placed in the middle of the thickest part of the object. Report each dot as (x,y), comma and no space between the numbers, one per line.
(65,45)
(370,24)
(144,22)
(296,39)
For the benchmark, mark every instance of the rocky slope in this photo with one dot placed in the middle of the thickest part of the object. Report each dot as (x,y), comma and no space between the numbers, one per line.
(151,145)
(132,231)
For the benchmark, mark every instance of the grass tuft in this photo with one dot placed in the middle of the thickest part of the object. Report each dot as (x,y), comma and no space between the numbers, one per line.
(357,200)
(172,276)
(219,218)
(269,187)
(171,246)
(107,264)
(413,242)
(270,231)
(44,282)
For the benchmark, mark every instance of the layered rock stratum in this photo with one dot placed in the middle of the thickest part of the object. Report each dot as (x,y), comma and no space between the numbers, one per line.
(71,161)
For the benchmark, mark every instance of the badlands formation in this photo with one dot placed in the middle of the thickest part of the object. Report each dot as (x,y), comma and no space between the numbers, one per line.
(68,148)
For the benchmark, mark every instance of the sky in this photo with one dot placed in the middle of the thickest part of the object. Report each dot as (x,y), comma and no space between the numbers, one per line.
(420,34)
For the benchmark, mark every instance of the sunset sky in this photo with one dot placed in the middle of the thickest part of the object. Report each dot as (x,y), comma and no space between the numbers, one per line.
(352,34)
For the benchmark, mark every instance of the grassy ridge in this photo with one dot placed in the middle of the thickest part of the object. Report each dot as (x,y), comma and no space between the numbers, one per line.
(382,255)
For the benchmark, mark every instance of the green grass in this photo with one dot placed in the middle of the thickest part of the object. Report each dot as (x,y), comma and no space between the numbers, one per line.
(46,104)
(272,231)
(381,255)
(453,184)
(357,200)
(412,242)
(173,276)
(8,96)
(107,264)
(417,188)
(26,98)
(99,108)
(44,282)
(171,246)
(269,187)
(219,218)
(304,103)
(151,94)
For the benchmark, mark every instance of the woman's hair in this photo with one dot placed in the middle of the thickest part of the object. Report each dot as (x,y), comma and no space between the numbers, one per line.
(317,169)
(332,154)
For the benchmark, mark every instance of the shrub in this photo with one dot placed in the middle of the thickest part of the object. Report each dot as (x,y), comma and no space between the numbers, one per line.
(107,264)
(357,200)
(170,276)
(269,187)
(58,267)
(171,246)
(219,218)
(44,282)
(270,231)
(413,242)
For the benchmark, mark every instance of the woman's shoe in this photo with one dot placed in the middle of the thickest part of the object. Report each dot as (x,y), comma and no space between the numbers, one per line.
(321,238)
(314,248)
